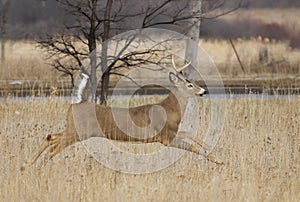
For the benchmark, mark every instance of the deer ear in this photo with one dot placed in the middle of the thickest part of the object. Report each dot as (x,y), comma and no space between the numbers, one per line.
(173,78)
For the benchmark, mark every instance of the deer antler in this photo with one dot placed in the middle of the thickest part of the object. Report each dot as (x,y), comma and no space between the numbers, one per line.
(179,70)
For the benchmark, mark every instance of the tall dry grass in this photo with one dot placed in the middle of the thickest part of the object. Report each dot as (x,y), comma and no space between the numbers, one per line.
(281,59)
(260,148)
(24,61)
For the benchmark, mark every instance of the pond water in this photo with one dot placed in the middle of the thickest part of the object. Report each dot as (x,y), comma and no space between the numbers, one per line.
(208,96)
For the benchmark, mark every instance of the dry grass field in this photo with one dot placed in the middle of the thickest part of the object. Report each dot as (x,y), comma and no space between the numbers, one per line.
(26,61)
(260,145)
(283,28)
(260,148)
(282,60)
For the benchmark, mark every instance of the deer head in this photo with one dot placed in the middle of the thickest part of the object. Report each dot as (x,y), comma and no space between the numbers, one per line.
(181,82)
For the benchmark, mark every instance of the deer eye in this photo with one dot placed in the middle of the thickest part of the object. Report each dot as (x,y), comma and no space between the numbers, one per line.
(190,85)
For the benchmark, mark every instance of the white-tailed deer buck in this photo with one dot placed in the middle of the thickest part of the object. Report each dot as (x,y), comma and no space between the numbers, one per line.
(172,105)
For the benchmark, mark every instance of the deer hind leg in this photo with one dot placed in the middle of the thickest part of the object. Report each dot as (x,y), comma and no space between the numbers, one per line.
(54,149)
(50,139)
(61,143)
(179,142)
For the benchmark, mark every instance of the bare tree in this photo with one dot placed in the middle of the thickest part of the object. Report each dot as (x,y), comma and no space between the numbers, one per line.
(191,50)
(94,22)
(4,12)
(106,34)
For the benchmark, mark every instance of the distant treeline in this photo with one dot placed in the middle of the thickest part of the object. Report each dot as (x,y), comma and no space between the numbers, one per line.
(27,19)
(222,29)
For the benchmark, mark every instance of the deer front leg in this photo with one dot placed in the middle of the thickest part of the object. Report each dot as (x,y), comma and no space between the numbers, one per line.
(180,143)
(193,139)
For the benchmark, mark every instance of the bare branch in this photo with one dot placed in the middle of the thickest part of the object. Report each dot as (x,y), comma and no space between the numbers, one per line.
(206,15)
(123,75)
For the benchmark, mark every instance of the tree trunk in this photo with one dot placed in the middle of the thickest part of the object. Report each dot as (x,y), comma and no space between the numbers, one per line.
(105,70)
(2,51)
(93,52)
(191,51)
(4,6)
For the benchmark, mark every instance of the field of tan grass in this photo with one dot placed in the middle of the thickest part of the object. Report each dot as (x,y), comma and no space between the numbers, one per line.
(260,148)
(25,61)
(281,60)
(260,145)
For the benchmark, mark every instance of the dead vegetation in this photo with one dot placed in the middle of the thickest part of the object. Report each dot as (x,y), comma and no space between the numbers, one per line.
(260,147)
(261,58)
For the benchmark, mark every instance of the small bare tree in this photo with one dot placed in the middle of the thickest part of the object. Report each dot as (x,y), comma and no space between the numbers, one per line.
(96,21)
(92,22)
(4,12)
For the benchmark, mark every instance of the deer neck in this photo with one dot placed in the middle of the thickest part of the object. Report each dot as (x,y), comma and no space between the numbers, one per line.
(176,99)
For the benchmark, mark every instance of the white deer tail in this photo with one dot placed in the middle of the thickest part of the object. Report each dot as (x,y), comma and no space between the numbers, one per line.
(81,95)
